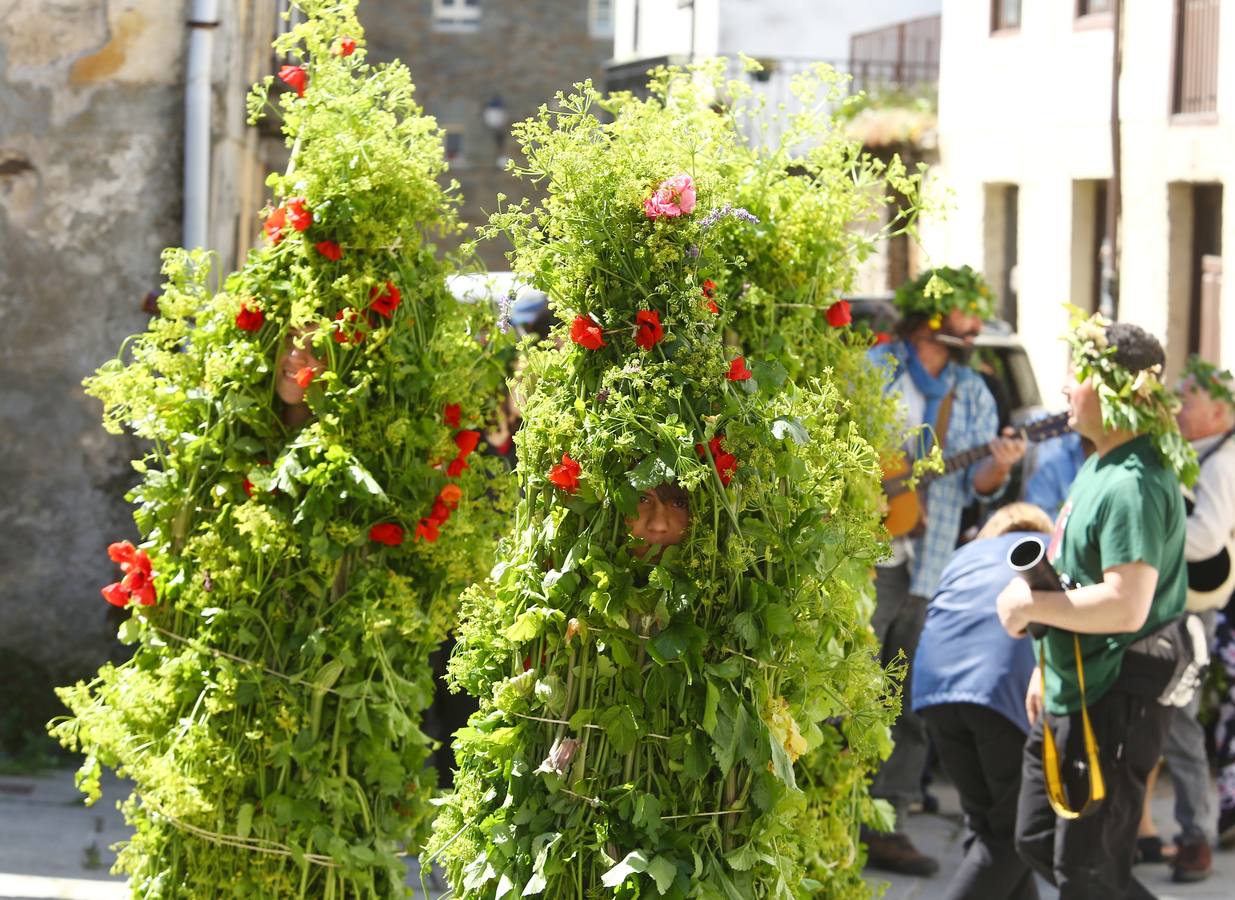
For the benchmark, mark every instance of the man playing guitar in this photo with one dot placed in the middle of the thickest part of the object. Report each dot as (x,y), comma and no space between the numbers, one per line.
(942,312)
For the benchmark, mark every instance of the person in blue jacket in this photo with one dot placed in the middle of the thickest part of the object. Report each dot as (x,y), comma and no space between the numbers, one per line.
(969,682)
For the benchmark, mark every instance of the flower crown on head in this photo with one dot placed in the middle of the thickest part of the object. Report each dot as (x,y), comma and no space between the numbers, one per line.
(1133,398)
(937,292)
(1210,379)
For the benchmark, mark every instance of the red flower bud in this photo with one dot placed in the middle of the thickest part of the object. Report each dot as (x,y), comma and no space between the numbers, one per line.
(456,466)
(466,441)
(838,314)
(274,225)
(385,299)
(566,474)
(304,376)
(295,77)
(330,250)
(440,513)
(387,533)
(451,413)
(738,370)
(451,494)
(726,463)
(249,319)
(427,529)
(648,331)
(298,215)
(346,46)
(586,333)
(343,335)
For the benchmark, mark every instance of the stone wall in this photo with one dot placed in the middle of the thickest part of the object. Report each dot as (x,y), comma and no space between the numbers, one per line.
(90,156)
(522,50)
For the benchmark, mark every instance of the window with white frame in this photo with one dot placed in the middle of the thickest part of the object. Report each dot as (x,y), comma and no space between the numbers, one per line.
(600,18)
(456,15)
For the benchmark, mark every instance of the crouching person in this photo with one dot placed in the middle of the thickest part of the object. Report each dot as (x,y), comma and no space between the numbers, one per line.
(969,683)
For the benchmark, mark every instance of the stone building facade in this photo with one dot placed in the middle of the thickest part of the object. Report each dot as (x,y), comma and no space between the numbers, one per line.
(507,55)
(92,159)
(92,120)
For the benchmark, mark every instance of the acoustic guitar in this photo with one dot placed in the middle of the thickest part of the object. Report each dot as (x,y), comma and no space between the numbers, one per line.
(905,508)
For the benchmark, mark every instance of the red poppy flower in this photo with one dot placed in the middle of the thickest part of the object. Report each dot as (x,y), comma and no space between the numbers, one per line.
(304,376)
(726,463)
(440,512)
(346,46)
(128,557)
(838,314)
(295,77)
(451,413)
(247,487)
(586,333)
(648,331)
(427,529)
(709,288)
(249,319)
(140,587)
(385,299)
(738,370)
(330,250)
(711,307)
(387,533)
(116,595)
(882,337)
(466,441)
(344,317)
(566,474)
(274,225)
(451,494)
(298,216)
(456,466)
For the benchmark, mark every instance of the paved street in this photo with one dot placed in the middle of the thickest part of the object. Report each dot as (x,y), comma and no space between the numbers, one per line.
(52,846)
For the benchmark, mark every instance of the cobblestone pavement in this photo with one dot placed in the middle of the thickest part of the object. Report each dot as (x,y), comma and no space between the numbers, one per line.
(53,846)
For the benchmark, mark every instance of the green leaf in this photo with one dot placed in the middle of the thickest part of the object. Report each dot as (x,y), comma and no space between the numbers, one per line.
(782,766)
(634,863)
(244,820)
(770,374)
(620,725)
(650,473)
(130,630)
(709,708)
(743,858)
(663,872)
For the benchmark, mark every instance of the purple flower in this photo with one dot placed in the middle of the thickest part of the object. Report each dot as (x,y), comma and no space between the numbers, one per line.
(503,312)
(728,210)
(692,251)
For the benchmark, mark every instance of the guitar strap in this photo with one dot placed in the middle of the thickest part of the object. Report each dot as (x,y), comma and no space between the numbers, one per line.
(1050,754)
(940,427)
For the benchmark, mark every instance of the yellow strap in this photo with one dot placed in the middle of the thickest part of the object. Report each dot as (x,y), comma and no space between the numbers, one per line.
(1050,755)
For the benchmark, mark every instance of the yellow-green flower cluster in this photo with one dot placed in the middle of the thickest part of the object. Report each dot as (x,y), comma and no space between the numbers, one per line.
(937,292)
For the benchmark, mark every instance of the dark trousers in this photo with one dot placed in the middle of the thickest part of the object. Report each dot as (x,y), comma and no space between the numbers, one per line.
(1091,858)
(980,750)
(897,623)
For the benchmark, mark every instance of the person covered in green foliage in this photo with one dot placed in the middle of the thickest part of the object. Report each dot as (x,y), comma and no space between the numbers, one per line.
(642,715)
(310,506)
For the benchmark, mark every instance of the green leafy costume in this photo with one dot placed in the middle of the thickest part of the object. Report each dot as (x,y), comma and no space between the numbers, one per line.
(642,719)
(269,716)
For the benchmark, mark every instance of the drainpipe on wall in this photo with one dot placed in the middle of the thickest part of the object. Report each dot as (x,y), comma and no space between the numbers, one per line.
(1108,299)
(203,19)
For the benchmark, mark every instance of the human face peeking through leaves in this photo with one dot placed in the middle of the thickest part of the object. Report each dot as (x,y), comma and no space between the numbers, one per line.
(294,370)
(662,519)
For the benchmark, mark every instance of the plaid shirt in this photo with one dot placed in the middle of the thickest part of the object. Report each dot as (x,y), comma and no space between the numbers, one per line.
(974,421)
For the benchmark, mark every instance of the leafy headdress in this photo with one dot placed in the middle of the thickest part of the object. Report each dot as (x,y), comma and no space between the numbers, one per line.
(1124,363)
(1207,377)
(291,581)
(642,718)
(939,291)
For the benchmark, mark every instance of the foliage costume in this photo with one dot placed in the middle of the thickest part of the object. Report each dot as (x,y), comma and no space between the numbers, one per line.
(641,718)
(297,579)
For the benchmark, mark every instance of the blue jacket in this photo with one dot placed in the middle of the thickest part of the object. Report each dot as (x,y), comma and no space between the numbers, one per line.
(964,654)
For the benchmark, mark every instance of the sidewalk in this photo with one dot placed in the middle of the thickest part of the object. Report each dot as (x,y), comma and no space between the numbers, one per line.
(53,846)
(941,835)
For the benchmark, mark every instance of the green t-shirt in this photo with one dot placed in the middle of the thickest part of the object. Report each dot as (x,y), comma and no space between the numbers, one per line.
(1124,507)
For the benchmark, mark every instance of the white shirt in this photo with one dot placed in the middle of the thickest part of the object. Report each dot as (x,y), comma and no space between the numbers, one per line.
(1212,521)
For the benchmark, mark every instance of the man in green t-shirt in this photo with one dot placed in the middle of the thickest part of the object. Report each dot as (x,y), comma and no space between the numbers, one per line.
(1120,540)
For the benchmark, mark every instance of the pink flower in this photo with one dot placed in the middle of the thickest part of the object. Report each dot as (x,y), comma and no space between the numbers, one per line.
(675,197)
